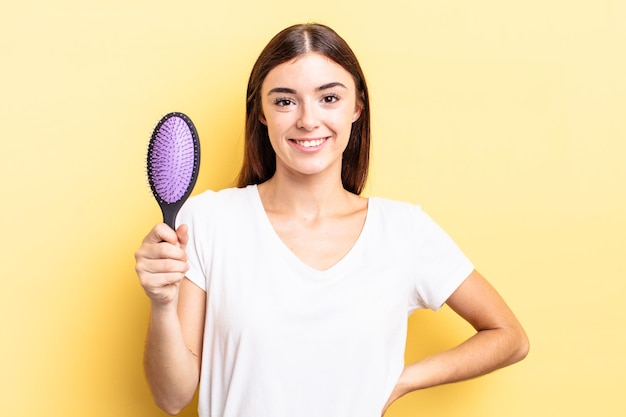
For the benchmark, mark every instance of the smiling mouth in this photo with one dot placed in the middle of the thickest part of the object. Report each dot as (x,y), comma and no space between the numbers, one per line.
(309,143)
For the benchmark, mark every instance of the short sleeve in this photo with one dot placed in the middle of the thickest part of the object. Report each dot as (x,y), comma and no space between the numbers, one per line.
(197,244)
(440,264)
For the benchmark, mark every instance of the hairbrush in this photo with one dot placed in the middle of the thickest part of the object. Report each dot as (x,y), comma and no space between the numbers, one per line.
(173,163)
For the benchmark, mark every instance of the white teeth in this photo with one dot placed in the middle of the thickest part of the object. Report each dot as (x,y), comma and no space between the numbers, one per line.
(310,143)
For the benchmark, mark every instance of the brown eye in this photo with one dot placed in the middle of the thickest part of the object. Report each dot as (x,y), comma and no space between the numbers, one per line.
(331,98)
(283,102)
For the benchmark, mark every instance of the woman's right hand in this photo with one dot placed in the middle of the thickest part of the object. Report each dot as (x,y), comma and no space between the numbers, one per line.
(161,264)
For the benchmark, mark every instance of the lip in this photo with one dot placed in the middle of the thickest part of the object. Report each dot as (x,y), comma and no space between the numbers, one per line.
(309,144)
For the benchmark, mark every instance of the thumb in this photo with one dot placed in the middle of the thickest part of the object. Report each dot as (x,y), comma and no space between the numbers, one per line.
(183,235)
(161,233)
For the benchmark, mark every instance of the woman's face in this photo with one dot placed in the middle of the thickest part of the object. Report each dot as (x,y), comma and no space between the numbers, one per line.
(309,105)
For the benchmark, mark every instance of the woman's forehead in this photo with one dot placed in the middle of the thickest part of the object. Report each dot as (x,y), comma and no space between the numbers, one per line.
(308,70)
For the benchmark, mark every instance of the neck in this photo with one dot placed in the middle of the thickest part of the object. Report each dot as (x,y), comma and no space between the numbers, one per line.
(305,196)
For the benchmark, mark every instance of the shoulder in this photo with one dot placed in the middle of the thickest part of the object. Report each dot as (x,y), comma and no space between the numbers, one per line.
(211,204)
(390,204)
(226,196)
(401,219)
(395,209)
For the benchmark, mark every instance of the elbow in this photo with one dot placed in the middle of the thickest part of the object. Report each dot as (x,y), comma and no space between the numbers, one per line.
(170,396)
(522,346)
(172,405)
(525,348)
(169,407)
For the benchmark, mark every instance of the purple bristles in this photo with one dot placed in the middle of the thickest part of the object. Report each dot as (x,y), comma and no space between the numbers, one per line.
(171,159)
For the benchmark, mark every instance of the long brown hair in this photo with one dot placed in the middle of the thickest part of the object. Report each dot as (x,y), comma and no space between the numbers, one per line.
(259,161)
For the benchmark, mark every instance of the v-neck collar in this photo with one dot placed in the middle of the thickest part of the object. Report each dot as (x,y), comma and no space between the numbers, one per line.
(341,265)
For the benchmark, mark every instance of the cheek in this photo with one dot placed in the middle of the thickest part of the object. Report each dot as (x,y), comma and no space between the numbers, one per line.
(273,127)
(275,130)
(278,123)
(343,121)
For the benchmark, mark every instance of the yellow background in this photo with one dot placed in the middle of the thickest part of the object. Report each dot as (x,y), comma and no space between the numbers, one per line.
(504,120)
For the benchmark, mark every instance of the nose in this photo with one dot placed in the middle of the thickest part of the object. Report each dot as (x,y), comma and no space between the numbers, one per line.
(308,119)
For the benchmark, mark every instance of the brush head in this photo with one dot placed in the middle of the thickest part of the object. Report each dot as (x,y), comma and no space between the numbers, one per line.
(173,163)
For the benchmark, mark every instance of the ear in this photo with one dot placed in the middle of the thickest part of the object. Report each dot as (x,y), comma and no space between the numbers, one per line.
(262,119)
(357,112)
(358,106)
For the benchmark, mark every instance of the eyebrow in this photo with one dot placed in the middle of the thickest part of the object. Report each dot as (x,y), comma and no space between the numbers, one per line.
(285,90)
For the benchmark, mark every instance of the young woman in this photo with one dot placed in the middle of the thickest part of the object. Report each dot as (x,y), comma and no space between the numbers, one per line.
(289,295)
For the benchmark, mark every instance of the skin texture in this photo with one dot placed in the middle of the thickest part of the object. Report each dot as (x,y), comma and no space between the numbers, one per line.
(499,341)
(297,108)
(309,105)
(174,342)
(311,99)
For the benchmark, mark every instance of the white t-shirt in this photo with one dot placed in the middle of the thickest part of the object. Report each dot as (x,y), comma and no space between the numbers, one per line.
(282,339)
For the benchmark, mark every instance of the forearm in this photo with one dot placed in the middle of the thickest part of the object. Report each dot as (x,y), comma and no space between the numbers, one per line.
(172,369)
(484,352)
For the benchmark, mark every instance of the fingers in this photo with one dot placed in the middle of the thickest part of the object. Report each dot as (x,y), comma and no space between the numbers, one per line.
(166,270)
(161,262)
(154,272)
